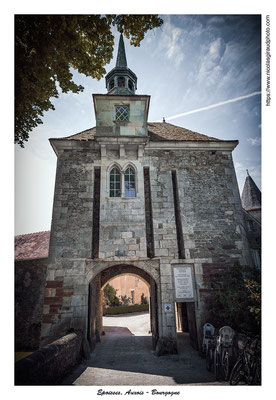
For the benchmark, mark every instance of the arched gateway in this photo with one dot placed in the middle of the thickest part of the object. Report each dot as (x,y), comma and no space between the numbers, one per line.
(103,274)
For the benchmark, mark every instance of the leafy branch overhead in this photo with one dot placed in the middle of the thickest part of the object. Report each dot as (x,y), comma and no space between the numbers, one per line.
(47,46)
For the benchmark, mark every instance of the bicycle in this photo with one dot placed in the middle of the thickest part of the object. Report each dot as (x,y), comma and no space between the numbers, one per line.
(223,353)
(248,365)
(210,353)
(208,333)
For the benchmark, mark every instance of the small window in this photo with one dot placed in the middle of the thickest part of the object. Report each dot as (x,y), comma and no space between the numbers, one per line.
(129,183)
(121,113)
(132,296)
(115,183)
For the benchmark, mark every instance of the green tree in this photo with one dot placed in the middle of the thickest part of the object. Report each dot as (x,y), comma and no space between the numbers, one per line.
(144,299)
(47,46)
(235,298)
(125,300)
(110,298)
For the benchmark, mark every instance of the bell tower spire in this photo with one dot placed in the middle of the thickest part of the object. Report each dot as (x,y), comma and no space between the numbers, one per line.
(121,56)
(121,80)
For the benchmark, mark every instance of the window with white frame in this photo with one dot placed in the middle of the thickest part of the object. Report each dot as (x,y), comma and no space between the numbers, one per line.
(129,183)
(121,113)
(122,183)
(115,183)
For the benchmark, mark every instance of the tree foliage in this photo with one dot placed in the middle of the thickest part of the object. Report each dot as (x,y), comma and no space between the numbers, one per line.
(125,300)
(110,298)
(144,299)
(235,299)
(47,46)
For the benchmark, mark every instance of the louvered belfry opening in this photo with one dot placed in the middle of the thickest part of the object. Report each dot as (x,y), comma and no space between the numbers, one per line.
(148,213)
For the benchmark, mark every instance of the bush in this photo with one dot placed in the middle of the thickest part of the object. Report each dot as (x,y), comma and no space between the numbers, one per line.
(126,309)
(110,298)
(235,299)
(144,299)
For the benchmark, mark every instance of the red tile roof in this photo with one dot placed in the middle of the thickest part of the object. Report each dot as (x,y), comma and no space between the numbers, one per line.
(32,245)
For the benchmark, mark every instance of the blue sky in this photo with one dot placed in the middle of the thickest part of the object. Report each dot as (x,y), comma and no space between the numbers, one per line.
(191,62)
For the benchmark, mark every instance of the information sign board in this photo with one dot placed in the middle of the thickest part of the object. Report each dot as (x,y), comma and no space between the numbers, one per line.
(183,278)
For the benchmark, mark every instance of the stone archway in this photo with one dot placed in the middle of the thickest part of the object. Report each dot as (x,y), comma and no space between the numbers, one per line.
(95,299)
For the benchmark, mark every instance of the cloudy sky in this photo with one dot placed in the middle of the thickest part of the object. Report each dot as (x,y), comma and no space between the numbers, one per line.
(202,73)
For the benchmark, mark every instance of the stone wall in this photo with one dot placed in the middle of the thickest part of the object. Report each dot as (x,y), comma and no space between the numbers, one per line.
(208,207)
(30,278)
(71,231)
(51,363)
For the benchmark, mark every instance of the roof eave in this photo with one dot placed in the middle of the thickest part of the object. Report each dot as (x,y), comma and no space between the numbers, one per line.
(227,145)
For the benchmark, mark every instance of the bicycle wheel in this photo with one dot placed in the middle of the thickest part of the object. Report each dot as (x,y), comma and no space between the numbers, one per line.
(217,365)
(256,376)
(209,359)
(237,373)
(225,365)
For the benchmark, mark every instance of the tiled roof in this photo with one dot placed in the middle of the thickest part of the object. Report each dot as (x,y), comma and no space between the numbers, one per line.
(163,131)
(158,131)
(251,195)
(32,245)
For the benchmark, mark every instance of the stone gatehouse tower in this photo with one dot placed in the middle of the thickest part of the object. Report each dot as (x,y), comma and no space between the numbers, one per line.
(144,198)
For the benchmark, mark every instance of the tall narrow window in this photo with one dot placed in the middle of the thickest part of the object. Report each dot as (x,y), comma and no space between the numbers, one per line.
(130,183)
(115,183)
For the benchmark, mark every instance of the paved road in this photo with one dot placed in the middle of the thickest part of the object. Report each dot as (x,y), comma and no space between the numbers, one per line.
(125,357)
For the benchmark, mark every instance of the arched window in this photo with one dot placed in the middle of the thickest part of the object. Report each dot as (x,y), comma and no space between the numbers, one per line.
(129,183)
(115,183)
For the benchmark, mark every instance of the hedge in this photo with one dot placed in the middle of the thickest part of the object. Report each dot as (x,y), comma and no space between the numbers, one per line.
(126,309)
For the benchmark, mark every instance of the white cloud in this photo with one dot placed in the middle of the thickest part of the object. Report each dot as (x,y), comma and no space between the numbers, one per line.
(255,141)
(211,60)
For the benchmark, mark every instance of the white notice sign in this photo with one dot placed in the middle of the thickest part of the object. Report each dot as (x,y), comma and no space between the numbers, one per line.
(183,283)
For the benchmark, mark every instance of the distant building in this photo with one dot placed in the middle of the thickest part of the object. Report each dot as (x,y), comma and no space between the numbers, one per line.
(251,203)
(130,286)
(251,198)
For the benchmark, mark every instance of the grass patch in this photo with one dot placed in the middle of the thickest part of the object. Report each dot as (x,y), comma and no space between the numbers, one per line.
(126,309)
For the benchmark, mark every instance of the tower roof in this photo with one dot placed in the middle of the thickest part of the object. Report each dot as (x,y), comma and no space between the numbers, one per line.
(251,195)
(121,56)
(121,80)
